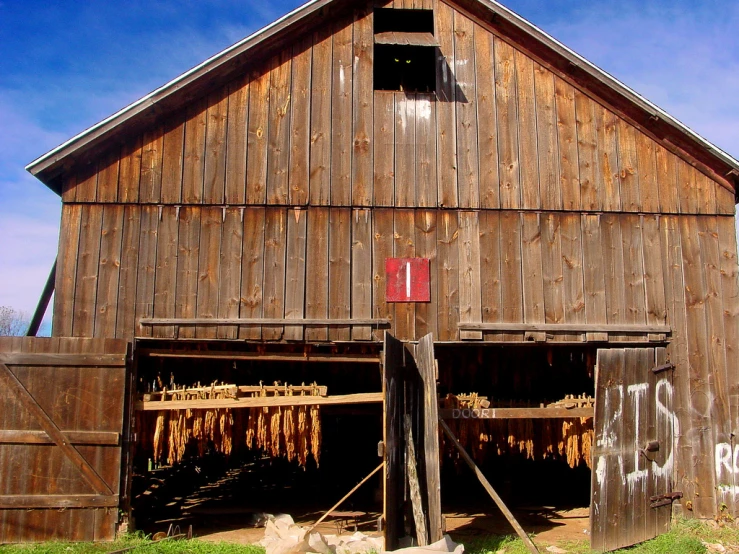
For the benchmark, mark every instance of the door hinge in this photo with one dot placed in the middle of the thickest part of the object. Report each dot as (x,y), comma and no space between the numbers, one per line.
(664,367)
(664,499)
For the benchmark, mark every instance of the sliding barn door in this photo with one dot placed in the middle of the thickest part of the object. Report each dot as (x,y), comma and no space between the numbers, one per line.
(634,447)
(61,423)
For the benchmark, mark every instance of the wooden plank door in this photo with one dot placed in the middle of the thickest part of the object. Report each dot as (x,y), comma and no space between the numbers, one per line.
(61,423)
(634,450)
(409,385)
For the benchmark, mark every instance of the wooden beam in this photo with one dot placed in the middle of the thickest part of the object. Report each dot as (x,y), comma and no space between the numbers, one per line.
(43,303)
(268,356)
(17,389)
(263,321)
(260,402)
(413,485)
(564,327)
(490,490)
(10,436)
(515,413)
(64,360)
(30,501)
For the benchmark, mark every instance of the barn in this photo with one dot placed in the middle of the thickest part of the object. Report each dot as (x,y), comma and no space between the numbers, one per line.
(262,259)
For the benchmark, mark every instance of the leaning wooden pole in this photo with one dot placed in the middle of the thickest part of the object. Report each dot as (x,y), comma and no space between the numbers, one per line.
(489,488)
(347,495)
(43,303)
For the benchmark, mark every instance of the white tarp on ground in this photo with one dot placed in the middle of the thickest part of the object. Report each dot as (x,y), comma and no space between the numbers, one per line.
(282,536)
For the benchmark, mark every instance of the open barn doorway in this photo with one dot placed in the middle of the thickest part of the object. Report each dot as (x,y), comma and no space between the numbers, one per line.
(225,433)
(525,415)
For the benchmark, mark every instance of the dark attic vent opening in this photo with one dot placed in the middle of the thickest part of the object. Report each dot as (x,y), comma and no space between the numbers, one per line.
(405,68)
(405,21)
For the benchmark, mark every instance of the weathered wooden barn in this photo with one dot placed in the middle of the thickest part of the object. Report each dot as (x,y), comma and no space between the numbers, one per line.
(243,220)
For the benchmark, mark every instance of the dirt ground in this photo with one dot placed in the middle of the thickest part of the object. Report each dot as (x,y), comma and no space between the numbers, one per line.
(550,525)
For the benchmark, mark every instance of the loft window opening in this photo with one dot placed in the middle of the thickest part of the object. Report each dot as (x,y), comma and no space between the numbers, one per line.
(404,21)
(405,68)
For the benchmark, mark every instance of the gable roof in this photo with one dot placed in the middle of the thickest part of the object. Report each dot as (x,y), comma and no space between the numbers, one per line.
(677,135)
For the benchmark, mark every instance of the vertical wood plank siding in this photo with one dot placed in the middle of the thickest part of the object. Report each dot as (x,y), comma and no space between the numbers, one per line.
(281,193)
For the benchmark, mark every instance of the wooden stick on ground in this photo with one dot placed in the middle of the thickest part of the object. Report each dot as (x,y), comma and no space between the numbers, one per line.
(490,490)
(347,495)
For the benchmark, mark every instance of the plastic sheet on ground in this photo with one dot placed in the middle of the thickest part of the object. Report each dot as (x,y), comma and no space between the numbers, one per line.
(283,536)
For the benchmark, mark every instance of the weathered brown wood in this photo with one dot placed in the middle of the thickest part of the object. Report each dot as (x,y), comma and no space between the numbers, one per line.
(173,159)
(85,290)
(126,309)
(656,311)
(209,267)
(295,271)
(546,132)
(414,487)
(631,235)
(278,142)
(446,92)
(405,149)
(589,170)
(85,187)
(568,327)
(470,293)
(667,184)
(339,270)
(407,39)
(67,269)
(647,162)
(491,302)
(447,252)
(108,168)
(341,114)
(316,269)
(515,413)
(489,489)
(60,501)
(361,268)
(426,158)
(252,270)
(214,172)
(572,269)
(392,438)
(260,401)
(229,283)
(628,168)
(531,260)
(405,247)
(425,240)
(11,436)
(487,131)
(165,284)
(212,321)
(507,117)
(362,107)
(383,192)
(382,248)
(187,266)
(274,270)
(528,148)
(48,425)
(300,106)
(236,139)
(150,184)
(468,181)
(511,270)
(607,154)
(129,171)
(569,174)
(256,142)
(552,268)
(281,357)
(194,151)
(63,359)
(320,121)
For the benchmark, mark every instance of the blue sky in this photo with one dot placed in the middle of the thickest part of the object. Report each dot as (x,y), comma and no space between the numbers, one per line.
(67,65)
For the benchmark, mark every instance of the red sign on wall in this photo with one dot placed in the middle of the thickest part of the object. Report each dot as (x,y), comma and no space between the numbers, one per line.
(407,280)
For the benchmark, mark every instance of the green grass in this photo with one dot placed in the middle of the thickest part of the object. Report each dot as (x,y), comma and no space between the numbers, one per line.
(684,538)
(143,545)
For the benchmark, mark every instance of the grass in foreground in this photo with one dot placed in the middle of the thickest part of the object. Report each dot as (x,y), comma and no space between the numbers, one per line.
(685,537)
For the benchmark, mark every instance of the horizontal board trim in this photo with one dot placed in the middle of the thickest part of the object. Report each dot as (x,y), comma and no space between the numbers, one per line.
(64,360)
(154,321)
(269,356)
(102,438)
(409,39)
(564,327)
(260,402)
(27,501)
(515,413)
